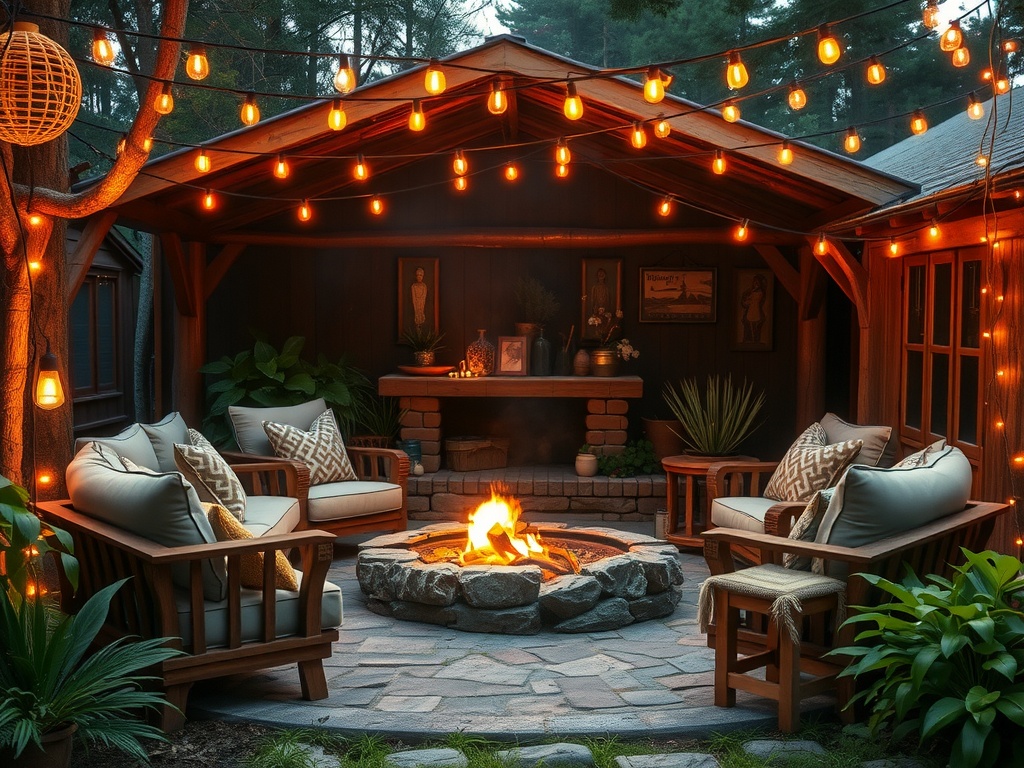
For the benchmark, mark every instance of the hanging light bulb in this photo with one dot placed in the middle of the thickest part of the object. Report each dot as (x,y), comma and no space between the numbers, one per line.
(742,232)
(876,71)
(797,97)
(122,144)
(736,75)
(35,266)
(1002,83)
(952,38)
(360,171)
(344,75)
(417,120)
(49,393)
(165,101)
(718,165)
(562,153)
(662,128)
(918,123)
(562,170)
(785,154)
(1010,46)
(981,160)
(102,50)
(460,165)
(665,206)
(209,201)
(975,110)
(305,213)
(434,81)
(497,101)
(376,205)
(34,219)
(961,57)
(281,167)
(654,86)
(250,110)
(461,183)
(197,66)
(930,15)
(852,141)
(336,118)
(933,230)
(821,247)
(203,164)
(573,106)
(511,171)
(638,136)
(894,249)
(730,111)
(829,48)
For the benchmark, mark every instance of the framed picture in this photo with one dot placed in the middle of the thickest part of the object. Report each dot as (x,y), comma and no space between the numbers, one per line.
(753,310)
(669,295)
(417,295)
(602,297)
(511,356)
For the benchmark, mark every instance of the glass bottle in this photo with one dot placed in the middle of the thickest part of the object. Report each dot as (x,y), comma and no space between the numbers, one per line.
(540,356)
(480,355)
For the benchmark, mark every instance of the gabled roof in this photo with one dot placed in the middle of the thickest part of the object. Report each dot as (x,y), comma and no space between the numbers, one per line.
(816,189)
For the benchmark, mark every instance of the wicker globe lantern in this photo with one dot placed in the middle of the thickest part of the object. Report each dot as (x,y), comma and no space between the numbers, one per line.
(40,88)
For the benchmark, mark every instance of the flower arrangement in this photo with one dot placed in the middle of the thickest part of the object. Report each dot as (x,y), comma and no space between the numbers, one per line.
(606,325)
(626,350)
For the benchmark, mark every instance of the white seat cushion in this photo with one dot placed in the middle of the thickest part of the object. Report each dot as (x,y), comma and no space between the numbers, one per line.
(271,515)
(352,498)
(745,513)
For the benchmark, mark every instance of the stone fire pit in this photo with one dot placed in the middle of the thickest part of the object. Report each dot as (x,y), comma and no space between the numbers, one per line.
(639,580)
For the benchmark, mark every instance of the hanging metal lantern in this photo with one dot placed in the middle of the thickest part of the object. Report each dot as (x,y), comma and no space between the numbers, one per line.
(40,88)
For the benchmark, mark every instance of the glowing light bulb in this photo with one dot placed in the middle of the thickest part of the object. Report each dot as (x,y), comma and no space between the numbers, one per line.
(197,66)
(718,165)
(460,165)
(952,38)
(35,220)
(852,141)
(785,154)
(376,205)
(203,164)
(102,50)
(511,171)
(736,75)
(562,153)
(165,101)
(981,160)
(876,71)
(742,232)
(1010,46)
(933,230)
(305,212)
(461,183)
(1000,425)
(1002,84)
(209,201)
(638,136)
(344,76)
(336,118)
(281,169)
(730,111)
(986,335)
(360,171)
(417,120)
(35,266)
(797,97)
(662,128)
(250,113)
(497,101)
(894,249)
(986,74)
(821,247)
(49,392)
(562,171)
(654,86)
(930,15)
(829,48)
(975,110)
(434,80)
(961,57)
(918,123)
(573,106)
(665,206)
(43,478)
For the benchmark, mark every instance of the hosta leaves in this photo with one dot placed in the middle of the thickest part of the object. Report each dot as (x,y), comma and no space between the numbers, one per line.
(922,663)
(1012,706)
(951,643)
(940,714)
(969,747)
(985,627)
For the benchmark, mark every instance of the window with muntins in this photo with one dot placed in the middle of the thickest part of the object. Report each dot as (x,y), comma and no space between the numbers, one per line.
(94,334)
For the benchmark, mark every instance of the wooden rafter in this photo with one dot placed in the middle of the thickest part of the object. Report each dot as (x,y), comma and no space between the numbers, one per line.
(80,260)
(217,268)
(848,274)
(178,264)
(784,271)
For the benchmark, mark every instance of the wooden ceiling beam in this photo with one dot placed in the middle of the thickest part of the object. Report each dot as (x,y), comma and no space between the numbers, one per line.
(847,273)
(81,258)
(219,267)
(779,264)
(178,262)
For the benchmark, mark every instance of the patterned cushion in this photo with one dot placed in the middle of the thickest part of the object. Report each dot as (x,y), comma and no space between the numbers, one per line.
(213,478)
(321,448)
(806,528)
(925,456)
(227,528)
(809,465)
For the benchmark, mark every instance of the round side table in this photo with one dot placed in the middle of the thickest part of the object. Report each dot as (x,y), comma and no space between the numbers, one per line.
(690,469)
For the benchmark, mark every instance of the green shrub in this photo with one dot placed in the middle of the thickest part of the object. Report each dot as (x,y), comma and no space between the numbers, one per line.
(945,659)
(637,459)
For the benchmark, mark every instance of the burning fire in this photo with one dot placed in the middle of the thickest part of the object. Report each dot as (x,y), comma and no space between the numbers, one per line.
(497,537)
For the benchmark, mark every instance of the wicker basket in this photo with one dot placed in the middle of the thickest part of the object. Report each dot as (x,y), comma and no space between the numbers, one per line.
(467,454)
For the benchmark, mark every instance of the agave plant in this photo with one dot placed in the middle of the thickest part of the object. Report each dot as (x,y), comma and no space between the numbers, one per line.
(717,422)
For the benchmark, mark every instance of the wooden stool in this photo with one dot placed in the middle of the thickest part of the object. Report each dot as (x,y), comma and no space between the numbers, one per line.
(785,596)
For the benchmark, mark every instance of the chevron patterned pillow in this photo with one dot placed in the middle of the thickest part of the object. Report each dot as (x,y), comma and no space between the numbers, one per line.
(214,479)
(321,448)
(806,528)
(809,465)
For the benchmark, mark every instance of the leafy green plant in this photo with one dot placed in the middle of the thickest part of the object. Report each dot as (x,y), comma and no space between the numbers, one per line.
(423,339)
(379,416)
(716,422)
(536,303)
(945,658)
(25,540)
(636,459)
(586,448)
(262,376)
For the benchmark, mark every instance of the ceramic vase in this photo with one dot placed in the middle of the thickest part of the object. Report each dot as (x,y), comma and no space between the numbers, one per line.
(480,355)
(581,363)
(604,362)
(586,464)
(540,356)
(423,357)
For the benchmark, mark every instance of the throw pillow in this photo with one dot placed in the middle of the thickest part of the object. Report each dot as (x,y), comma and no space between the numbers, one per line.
(227,528)
(810,464)
(806,528)
(214,479)
(925,456)
(321,448)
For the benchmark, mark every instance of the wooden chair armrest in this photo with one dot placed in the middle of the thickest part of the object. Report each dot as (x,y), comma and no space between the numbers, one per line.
(726,478)
(385,464)
(780,518)
(263,475)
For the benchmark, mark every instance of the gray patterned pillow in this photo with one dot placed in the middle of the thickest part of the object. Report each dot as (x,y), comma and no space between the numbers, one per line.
(923,457)
(214,479)
(810,464)
(321,448)
(806,528)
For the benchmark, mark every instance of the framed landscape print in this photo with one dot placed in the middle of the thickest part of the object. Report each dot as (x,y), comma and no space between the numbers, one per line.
(753,310)
(511,356)
(602,296)
(670,295)
(417,295)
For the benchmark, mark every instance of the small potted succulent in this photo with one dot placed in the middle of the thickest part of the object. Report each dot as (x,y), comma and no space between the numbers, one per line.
(425,343)
(586,461)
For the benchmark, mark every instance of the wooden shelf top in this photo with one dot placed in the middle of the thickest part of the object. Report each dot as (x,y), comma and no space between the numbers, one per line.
(398,385)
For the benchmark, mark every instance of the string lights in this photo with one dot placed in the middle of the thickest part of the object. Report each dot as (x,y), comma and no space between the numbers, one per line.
(730,111)
(360,171)
(250,113)
(785,154)
(829,48)
(281,169)
(851,143)
(736,75)
(918,123)
(562,153)
(497,101)
(197,66)
(718,164)
(344,76)
(952,38)
(572,108)
(459,164)
(654,86)
(336,118)
(797,97)
(638,136)
(665,206)
(202,163)
(417,120)
(742,231)
(165,101)
(875,71)
(102,50)
(434,81)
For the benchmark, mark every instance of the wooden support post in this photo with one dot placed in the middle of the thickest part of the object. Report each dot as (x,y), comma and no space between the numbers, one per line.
(80,260)
(189,329)
(810,342)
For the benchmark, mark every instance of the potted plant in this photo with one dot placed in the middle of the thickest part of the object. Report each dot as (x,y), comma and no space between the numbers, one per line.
(586,461)
(379,419)
(537,306)
(718,420)
(636,458)
(664,435)
(425,343)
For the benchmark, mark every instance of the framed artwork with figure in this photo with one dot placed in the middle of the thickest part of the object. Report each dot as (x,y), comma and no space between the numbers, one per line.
(754,310)
(602,297)
(417,295)
(511,356)
(675,295)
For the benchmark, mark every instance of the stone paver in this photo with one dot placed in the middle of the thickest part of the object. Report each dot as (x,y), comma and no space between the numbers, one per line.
(676,760)
(548,755)
(772,748)
(442,757)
